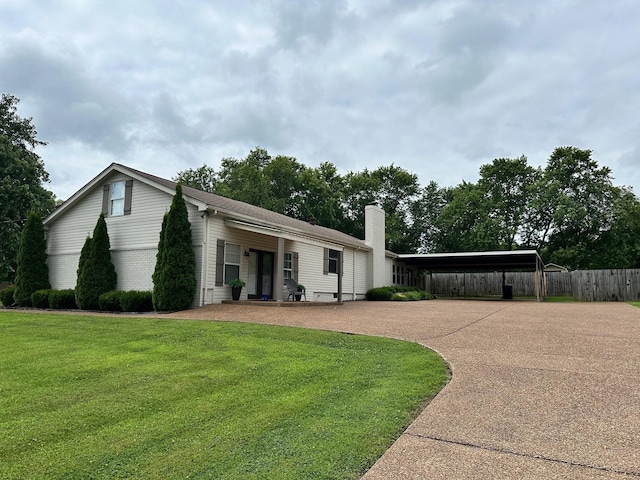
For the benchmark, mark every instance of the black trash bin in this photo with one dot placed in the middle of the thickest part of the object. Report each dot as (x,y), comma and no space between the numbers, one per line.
(507,292)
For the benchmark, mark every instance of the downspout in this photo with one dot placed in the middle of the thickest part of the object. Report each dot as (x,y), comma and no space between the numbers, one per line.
(205,257)
(353,275)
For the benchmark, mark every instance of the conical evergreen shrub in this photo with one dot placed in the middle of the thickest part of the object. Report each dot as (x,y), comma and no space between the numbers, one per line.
(97,273)
(174,280)
(32,272)
(84,255)
(159,261)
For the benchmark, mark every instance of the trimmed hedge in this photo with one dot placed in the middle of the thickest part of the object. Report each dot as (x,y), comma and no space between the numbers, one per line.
(397,293)
(136,301)
(110,301)
(126,301)
(62,299)
(6,296)
(40,298)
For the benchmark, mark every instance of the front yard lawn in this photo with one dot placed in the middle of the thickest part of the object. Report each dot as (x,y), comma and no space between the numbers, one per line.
(126,397)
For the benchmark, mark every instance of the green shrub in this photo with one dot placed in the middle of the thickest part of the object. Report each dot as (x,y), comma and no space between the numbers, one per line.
(136,301)
(397,293)
(379,294)
(62,299)
(40,298)
(32,273)
(174,279)
(97,273)
(6,296)
(110,301)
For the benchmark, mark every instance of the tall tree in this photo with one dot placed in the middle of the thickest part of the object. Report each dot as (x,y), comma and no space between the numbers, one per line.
(394,190)
(22,174)
(507,186)
(425,212)
(203,178)
(175,282)
(322,196)
(575,205)
(280,184)
(98,275)
(465,224)
(32,273)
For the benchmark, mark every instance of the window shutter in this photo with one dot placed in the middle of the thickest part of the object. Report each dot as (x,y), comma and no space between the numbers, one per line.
(105,199)
(128,187)
(325,268)
(294,267)
(220,263)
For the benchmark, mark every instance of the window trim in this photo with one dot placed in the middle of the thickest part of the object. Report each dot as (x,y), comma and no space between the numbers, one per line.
(287,265)
(330,259)
(107,201)
(227,263)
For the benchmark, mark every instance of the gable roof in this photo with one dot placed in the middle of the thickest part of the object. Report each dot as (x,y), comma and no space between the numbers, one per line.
(241,212)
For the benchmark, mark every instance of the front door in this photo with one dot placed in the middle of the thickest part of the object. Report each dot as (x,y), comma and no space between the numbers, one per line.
(260,280)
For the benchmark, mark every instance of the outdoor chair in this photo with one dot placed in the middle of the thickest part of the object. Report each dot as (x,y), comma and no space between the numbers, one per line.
(292,288)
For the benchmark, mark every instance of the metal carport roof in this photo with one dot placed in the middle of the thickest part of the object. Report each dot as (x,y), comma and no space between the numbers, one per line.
(522,260)
(469,261)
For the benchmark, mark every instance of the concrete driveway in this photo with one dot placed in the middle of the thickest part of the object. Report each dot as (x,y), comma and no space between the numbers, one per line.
(539,390)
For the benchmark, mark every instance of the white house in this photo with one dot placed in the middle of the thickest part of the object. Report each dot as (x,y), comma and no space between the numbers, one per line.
(231,239)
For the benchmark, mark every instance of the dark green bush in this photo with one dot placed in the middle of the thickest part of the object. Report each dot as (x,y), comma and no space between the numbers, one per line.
(6,296)
(32,273)
(136,301)
(379,294)
(399,293)
(62,299)
(97,273)
(174,279)
(40,298)
(110,301)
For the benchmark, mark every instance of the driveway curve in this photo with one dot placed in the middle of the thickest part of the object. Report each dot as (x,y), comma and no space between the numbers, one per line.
(539,390)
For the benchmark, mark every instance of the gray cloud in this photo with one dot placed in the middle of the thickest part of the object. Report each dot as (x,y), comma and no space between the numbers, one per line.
(437,87)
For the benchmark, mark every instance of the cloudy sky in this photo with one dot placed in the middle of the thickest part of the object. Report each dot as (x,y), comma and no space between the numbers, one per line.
(435,87)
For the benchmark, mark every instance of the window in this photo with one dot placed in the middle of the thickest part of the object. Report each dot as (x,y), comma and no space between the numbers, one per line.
(117,199)
(394,274)
(332,257)
(288,266)
(232,255)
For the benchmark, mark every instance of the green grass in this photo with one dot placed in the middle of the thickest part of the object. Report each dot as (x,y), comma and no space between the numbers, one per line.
(104,398)
(635,304)
(564,299)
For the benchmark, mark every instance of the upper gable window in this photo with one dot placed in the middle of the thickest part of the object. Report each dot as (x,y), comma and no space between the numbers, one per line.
(117,199)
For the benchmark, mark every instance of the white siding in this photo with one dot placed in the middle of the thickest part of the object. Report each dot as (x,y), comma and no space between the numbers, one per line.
(133,238)
(319,287)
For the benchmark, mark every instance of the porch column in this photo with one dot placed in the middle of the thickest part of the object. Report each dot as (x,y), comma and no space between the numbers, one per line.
(278,278)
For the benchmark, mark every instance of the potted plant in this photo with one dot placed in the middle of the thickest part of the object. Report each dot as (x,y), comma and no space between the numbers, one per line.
(236,287)
(300,290)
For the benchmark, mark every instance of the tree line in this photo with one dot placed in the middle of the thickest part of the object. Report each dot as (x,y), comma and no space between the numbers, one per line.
(569,210)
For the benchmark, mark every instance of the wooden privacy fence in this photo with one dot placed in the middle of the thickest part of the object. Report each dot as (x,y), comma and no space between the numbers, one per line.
(584,285)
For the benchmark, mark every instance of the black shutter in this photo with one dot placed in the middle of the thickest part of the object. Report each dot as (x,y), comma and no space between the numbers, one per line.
(105,199)
(294,265)
(220,263)
(325,268)
(128,187)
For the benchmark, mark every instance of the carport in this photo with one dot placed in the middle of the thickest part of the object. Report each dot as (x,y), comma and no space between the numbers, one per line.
(513,260)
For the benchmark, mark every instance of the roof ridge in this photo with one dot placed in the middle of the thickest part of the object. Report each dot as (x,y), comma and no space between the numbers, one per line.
(247,209)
